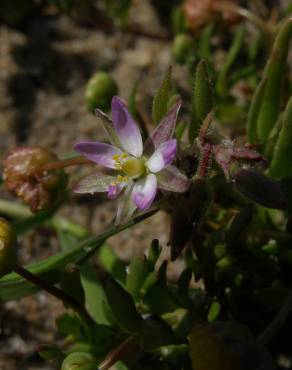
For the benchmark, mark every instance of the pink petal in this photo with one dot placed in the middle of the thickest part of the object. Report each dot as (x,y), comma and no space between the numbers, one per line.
(171,179)
(100,153)
(144,192)
(165,130)
(114,190)
(126,128)
(162,156)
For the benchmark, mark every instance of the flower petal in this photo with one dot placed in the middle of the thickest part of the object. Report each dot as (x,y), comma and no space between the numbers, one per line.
(171,179)
(164,131)
(126,128)
(162,156)
(98,152)
(114,190)
(108,126)
(126,206)
(94,183)
(144,192)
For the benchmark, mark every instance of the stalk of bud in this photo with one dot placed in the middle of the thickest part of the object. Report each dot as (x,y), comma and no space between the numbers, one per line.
(8,243)
(23,176)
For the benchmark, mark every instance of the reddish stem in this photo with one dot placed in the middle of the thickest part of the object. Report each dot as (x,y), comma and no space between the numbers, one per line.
(65,163)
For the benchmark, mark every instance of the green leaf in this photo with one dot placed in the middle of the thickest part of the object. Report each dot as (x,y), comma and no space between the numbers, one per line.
(204,44)
(214,311)
(94,295)
(281,165)
(51,354)
(160,100)
(233,52)
(202,100)
(184,283)
(12,286)
(136,276)
(254,110)
(112,264)
(153,254)
(275,75)
(70,324)
(123,308)
(155,333)
(175,355)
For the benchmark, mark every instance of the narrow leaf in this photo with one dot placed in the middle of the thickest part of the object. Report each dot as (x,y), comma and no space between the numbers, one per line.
(275,75)
(123,308)
(281,165)
(160,101)
(202,100)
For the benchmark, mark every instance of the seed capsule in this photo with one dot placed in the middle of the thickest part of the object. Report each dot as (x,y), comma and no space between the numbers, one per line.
(79,361)
(23,176)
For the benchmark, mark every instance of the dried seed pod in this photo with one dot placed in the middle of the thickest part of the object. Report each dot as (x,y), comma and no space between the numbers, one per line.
(24,176)
(199,13)
(8,243)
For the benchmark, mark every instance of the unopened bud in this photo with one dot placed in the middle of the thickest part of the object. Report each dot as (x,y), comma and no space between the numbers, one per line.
(183,46)
(24,176)
(99,91)
(8,243)
(79,361)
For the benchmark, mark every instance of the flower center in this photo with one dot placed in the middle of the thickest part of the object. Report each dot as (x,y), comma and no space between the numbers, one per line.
(134,167)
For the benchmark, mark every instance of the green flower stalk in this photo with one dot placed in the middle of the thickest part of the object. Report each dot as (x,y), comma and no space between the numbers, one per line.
(8,248)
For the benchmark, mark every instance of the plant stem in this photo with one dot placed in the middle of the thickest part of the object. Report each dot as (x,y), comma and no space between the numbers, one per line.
(20,211)
(56,292)
(247,14)
(65,163)
(117,353)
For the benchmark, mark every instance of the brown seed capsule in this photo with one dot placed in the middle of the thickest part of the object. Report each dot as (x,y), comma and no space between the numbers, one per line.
(8,245)
(23,176)
(200,13)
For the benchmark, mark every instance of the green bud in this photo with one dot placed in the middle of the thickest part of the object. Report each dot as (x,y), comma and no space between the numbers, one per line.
(182,47)
(24,176)
(8,243)
(79,361)
(99,91)
(224,263)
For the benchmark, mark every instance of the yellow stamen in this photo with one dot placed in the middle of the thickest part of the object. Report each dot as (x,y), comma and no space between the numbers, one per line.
(116,157)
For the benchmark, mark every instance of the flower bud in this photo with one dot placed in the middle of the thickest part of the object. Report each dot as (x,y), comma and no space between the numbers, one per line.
(8,243)
(99,91)
(79,361)
(182,47)
(23,176)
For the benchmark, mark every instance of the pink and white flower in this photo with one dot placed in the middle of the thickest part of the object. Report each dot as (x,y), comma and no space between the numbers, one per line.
(141,169)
